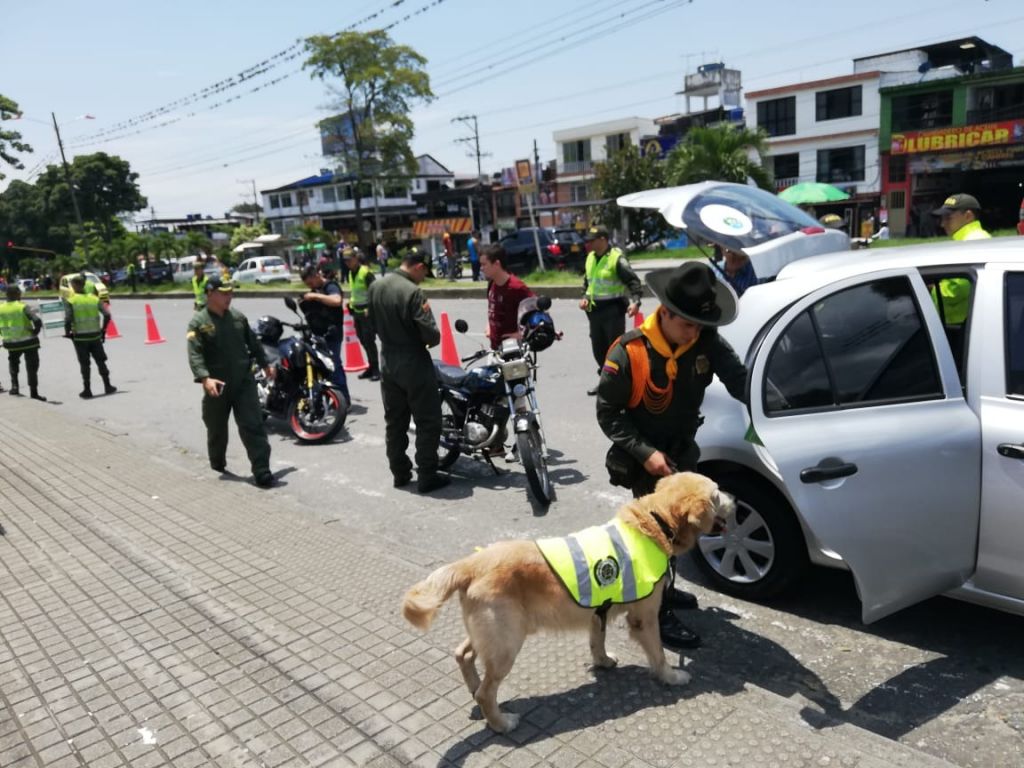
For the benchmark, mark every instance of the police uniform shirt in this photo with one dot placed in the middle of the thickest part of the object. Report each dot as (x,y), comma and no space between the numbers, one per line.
(222,346)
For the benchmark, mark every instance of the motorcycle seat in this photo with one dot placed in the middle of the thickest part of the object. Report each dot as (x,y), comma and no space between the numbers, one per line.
(450,375)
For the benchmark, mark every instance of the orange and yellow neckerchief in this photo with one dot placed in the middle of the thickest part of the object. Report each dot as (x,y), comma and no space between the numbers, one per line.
(655,399)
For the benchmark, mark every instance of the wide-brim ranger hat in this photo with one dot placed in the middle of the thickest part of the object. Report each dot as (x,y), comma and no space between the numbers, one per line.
(216,283)
(693,292)
(960,202)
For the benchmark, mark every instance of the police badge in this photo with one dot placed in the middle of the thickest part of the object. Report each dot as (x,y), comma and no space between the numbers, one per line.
(606,571)
(702,365)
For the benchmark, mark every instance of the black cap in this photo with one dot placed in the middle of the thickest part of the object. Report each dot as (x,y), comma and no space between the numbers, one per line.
(959,202)
(595,232)
(418,256)
(692,291)
(215,283)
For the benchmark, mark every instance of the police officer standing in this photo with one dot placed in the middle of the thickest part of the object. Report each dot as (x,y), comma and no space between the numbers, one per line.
(608,280)
(199,283)
(20,326)
(359,279)
(85,322)
(221,347)
(405,324)
(651,389)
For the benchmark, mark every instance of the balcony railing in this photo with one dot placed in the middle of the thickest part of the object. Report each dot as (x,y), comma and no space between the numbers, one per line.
(781,184)
(979,116)
(577,166)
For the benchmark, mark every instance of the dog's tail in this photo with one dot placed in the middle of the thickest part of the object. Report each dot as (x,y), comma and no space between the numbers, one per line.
(423,600)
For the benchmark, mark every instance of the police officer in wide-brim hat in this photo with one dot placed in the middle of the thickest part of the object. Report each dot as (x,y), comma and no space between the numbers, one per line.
(652,387)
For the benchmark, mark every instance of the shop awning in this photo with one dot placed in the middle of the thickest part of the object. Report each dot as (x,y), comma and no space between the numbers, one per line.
(461,225)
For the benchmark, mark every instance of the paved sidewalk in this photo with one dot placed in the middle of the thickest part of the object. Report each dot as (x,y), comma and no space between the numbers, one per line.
(151,616)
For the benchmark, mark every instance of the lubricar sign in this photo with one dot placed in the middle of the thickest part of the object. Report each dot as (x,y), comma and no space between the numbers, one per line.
(963,137)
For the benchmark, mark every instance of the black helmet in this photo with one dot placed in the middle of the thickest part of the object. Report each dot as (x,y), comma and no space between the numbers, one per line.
(538,329)
(269,330)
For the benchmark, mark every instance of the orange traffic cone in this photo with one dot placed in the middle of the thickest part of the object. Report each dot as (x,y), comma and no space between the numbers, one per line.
(355,360)
(112,332)
(449,354)
(152,333)
(638,319)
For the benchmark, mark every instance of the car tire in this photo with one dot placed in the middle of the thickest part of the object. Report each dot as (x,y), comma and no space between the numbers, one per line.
(770,553)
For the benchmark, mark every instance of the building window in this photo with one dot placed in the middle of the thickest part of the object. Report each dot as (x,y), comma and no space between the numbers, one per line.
(275,202)
(396,192)
(897,169)
(579,193)
(841,102)
(786,166)
(576,151)
(842,164)
(329,195)
(616,142)
(920,111)
(777,116)
(997,103)
(286,200)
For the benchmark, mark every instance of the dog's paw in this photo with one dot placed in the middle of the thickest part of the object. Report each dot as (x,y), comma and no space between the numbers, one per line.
(509,721)
(674,676)
(608,662)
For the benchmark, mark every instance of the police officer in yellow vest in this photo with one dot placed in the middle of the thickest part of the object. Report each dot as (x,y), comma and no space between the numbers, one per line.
(85,322)
(359,279)
(611,292)
(19,327)
(199,283)
(958,216)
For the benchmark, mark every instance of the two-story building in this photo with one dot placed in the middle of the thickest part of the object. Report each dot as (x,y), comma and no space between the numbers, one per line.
(952,120)
(329,201)
(824,130)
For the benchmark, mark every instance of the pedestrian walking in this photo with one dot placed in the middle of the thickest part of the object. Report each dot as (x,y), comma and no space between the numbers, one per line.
(85,323)
(450,258)
(472,246)
(130,271)
(406,327)
(324,313)
(651,390)
(359,280)
(199,284)
(383,255)
(19,327)
(221,350)
(607,282)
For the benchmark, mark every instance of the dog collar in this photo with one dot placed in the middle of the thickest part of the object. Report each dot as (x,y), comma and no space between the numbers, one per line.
(665,527)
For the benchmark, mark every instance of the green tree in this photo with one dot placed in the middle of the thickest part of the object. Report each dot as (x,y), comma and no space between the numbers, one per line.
(250,208)
(164,245)
(197,243)
(722,152)
(10,141)
(624,172)
(245,233)
(376,82)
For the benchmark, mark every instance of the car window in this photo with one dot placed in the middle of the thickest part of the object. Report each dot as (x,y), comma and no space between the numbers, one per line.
(275,262)
(1015,334)
(862,345)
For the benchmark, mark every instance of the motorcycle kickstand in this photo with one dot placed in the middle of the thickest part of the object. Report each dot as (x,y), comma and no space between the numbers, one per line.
(490,462)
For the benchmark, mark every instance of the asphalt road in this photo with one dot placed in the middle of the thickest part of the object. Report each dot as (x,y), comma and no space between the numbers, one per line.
(944,677)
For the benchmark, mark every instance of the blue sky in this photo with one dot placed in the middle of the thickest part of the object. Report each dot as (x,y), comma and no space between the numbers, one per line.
(526,68)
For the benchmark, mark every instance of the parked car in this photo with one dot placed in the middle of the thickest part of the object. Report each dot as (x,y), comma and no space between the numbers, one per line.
(561,248)
(91,278)
(155,271)
(27,284)
(880,437)
(262,270)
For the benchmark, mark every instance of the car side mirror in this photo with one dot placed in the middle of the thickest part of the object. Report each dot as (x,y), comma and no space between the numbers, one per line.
(461,325)
(543,303)
(290,303)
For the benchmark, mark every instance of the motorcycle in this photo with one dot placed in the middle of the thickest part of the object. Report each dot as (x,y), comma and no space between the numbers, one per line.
(477,402)
(301,391)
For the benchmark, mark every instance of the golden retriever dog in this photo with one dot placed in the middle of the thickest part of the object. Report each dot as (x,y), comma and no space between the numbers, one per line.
(509,591)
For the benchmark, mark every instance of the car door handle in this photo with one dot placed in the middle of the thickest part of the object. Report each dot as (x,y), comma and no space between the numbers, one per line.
(1010,450)
(825,471)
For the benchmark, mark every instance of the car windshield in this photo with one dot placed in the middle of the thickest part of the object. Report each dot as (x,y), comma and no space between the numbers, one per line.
(741,217)
(273,263)
(568,236)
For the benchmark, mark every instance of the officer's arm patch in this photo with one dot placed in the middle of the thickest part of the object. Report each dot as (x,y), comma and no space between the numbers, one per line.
(190,335)
(610,366)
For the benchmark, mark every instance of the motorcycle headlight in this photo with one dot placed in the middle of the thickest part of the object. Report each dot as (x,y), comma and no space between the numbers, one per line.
(519,390)
(328,363)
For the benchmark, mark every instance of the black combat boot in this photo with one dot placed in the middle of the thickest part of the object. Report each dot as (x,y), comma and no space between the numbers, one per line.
(34,394)
(108,388)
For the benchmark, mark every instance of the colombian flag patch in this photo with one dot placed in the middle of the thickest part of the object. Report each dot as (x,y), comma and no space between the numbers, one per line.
(610,366)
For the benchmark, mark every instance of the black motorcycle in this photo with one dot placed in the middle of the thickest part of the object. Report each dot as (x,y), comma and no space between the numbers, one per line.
(301,391)
(477,402)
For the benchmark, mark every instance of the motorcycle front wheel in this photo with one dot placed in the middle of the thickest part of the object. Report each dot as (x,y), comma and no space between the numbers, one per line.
(531,453)
(318,418)
(448,448)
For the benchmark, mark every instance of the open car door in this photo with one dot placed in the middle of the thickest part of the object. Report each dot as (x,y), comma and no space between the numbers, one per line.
(741,218)
(863,418)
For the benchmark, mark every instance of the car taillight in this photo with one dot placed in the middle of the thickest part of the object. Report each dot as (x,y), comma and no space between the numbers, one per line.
(812,230)
(554,249)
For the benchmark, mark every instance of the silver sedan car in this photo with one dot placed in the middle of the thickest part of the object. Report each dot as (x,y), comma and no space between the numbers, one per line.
(885,427)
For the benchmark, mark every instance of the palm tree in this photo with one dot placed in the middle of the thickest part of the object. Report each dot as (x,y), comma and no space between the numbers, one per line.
(722,152)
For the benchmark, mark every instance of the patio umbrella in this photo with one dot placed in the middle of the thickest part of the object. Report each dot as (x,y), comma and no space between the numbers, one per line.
(812,193)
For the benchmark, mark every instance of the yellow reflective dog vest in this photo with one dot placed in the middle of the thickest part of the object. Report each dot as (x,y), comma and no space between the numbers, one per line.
(605,564)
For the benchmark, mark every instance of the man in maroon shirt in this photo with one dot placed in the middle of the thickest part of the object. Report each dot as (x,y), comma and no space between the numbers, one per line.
(504,292)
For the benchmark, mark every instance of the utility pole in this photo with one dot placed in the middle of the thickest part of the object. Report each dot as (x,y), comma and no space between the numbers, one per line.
(71,186)
(475,152)
(255,199)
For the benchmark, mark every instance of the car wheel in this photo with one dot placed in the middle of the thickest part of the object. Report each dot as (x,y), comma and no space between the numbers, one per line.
(761,550)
